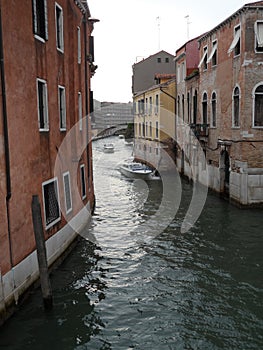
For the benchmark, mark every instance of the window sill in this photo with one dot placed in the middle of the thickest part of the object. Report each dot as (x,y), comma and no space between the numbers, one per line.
(43,130)
(52,223)
(60,50)
(42,40)
(69,211)
(63,129)
(235,127)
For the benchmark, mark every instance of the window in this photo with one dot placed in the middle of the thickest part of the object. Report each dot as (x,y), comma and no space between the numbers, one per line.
(259,36)
(159,60)
(151,106)
(146,129)
(178,73)
(195,107)
(156,104)
(213,103)
(51,202)
(62,108)
(146,105)
(59,27)
(235,45)
(188,107)
(82,181)
(79,45)
(213,55)
(42,105)
(258,106)
(80,110)
(157,130)
(203,61)
(236,108)
(183,106)
(40,19)
(67,192)
(178,106)
(183,71)
(204,105)
(166,59)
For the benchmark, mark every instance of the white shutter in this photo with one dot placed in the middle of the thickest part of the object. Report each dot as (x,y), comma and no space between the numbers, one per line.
(45,106)
(64,108)
(79,45)
(203,58)
(212,52)
(235,41)
(46,20)
(35,16)
(259,33)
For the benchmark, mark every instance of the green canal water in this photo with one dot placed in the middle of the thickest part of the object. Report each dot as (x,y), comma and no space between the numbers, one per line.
(202,289)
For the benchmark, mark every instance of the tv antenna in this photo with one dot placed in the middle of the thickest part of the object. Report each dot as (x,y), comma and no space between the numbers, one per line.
(159,32)
(188,26)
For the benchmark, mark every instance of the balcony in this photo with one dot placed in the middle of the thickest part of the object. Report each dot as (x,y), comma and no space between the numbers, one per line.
(201,131)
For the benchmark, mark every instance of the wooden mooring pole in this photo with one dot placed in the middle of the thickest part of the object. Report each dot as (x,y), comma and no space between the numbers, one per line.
(41,253)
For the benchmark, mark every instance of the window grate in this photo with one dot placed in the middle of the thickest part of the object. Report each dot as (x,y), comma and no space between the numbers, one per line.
(50,193)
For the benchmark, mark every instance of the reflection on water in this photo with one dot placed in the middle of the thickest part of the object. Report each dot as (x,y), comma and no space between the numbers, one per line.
(198,290)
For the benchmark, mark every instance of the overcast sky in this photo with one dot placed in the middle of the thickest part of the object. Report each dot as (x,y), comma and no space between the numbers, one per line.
(129,30)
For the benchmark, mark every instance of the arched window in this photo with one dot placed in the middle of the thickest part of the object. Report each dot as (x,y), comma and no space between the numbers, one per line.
(188,108)
(258,107)
(213,103)
(195,107)
(236,108)
(178,107)
(204,104)
(183,107)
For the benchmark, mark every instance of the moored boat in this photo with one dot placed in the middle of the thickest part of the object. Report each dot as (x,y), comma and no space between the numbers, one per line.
(136,170)
(108,148)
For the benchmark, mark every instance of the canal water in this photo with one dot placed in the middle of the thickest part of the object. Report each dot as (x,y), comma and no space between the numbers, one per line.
(123,289)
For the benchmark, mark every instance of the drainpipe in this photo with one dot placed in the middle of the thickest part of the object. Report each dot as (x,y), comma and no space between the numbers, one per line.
(6,140)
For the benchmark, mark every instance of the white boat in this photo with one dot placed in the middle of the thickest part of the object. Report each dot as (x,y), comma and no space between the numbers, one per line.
(108,148)
(135,170)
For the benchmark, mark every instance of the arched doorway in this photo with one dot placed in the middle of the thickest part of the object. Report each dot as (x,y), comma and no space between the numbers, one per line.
(224,172)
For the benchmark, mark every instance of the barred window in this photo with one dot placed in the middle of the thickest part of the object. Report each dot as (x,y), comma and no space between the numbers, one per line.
(83,181)
(236,108)
(67,192)
(51,202)
(62,107)
(213,102)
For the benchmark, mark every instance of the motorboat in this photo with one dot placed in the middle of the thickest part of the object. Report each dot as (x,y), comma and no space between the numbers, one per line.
(136,170)
(108,147)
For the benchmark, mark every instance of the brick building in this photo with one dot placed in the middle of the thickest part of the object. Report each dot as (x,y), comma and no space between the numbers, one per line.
(228,117)
(46,66)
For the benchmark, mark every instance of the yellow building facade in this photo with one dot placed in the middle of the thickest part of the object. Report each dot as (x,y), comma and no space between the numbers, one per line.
(154,121)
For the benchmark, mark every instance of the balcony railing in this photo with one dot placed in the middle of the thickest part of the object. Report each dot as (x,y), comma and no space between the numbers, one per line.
(200,130)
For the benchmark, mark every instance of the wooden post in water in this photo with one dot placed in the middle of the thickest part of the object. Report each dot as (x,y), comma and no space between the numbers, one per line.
(41,253)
